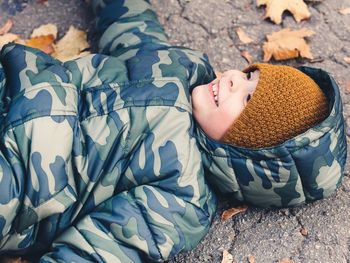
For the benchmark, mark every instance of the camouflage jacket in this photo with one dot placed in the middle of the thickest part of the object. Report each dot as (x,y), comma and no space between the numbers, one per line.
(307,167)
(98,158)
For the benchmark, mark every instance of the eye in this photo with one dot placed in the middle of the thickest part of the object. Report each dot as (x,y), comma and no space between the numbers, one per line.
(249,75)
(249,97)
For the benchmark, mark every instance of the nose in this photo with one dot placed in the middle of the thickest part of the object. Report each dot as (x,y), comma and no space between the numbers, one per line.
(233,80)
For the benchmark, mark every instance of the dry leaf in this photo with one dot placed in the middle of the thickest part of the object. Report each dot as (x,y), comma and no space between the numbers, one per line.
(275,9)
(218,74)
(286,260)
(71,45)
(232,212)
(247,56)
(348,86)
(344,11)
(43,2)
(7,27)
(286,44)
(5,259)
(304,232)
(227,257)
(347,60)
(8,38)
(243,36)
(44,43)
(44,30)
(251,259)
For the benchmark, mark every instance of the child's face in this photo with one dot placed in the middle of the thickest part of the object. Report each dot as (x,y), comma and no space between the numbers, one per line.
(218,104)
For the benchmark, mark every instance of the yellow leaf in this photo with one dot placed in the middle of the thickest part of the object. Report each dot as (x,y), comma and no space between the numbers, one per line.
(247,56)
(227,257)
(232,212)
(286,44)
(44,30)
(251,259)
(8,38)
(7,27)
(44,43)
(243,36)
(71,45)
(275,9)
(286,260)
(344,11)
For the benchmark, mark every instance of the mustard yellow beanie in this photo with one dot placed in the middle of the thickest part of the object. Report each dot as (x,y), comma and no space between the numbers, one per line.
(285,103)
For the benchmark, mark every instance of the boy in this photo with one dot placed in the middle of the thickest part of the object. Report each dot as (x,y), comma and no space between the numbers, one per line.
(100,155)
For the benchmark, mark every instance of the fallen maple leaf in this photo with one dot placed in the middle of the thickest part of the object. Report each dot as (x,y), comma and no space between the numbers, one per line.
(251,259)
(7,27)
(5,259)
(227,257)
(218,74)
(348,86)
(232,212)
(44,30)
(43,2)
(344,11)
(286,260)
(8,38)
(71,45)
(247,56)
(243,36)
(44,43)
(347,60)
(275,9)
(286,44)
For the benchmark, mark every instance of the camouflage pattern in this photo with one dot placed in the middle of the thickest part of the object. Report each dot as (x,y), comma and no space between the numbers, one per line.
(302,169)
(98,159)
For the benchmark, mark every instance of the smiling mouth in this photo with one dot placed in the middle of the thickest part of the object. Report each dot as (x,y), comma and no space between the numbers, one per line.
(215,91)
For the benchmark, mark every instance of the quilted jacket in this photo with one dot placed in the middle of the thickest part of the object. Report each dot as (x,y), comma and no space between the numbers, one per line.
(101,160)
(98,159)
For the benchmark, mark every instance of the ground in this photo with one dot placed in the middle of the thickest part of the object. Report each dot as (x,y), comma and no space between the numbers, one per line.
(209,25)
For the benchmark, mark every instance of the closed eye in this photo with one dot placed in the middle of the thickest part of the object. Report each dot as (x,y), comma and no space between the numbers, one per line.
(249,75)
(249,97)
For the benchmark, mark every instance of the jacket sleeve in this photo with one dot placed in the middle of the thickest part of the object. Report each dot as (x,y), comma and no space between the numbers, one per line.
(145,224)
(126,27)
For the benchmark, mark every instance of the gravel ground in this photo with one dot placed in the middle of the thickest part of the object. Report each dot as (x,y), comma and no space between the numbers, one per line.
(317,232)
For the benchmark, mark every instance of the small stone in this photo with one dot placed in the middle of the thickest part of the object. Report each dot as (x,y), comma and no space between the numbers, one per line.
(304,232)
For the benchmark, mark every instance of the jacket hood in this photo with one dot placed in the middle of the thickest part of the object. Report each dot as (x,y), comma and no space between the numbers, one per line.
(305,168)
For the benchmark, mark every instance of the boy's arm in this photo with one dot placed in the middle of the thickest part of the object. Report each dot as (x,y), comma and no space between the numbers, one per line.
(141,225)
(127,27)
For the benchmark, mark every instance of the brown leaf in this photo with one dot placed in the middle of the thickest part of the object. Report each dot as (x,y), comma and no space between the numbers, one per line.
(348,86)
(286,44)
(232,212)
(8,38)
(44,43)
(5,259)
(304,232)
(218,74)
(286,260)
(347,60)
(7,27)
(243,36)
(227,257)
(344,11)
(43,2)
(275,9)
(71,45)
(251,259)
(247,56)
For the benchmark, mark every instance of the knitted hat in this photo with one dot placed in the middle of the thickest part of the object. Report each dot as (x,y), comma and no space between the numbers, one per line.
(286,103)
